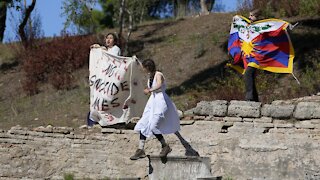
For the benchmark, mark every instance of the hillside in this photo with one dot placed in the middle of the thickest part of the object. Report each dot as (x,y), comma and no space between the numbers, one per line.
(191,53)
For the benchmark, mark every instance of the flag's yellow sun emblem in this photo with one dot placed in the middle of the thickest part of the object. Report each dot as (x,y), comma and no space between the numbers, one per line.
(247,48)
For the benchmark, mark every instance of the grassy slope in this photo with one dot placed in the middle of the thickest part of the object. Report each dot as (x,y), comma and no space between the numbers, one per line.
(190,52)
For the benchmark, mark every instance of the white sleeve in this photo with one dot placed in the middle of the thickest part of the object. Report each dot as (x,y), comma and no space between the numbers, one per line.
(115,50)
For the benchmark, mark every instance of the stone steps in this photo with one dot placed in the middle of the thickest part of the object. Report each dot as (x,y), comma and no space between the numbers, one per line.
(180,167)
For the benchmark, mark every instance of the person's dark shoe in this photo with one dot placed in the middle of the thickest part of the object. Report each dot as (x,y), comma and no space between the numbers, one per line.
(139,154)
(165,151)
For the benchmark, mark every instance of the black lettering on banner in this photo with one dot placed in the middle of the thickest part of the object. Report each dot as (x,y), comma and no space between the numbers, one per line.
(111,88)
(110,70)
(114,103)
(105,105)
(124,86)
(108,88)
(96,103)
(105,88)
(92,80)
(98,84)
(114,89)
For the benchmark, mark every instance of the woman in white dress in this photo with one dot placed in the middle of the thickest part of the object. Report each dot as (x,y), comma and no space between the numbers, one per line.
(111,41)
(112,48)
(110,44)
(160,115)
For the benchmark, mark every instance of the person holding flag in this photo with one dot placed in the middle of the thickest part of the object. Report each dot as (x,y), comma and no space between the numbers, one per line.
(259,44)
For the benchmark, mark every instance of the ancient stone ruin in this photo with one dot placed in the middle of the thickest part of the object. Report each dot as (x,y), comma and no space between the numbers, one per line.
(234,140)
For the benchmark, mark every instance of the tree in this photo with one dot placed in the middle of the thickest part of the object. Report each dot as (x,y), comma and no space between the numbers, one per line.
(80,15)
(4,5)
(204,8)
(26,17)
(27,29)
(108,10)
(181,8)
(3,17)
(127,14)
(23,24)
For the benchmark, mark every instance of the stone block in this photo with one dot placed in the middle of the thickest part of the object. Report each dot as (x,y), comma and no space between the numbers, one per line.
(110,130)
(315,121)
(244,109)
(263,120)
(277,111)
(264,125)
(47,129)
(232,119)
(62,130)
(18,132)
(228,123)
(304,125)
(282,123)
(187,122)
(199,117)
(188,118)
(177,168)
(213,108)
(243,124)
(127,131)
(189,112)
(73,136)
(307,110)
(248,119)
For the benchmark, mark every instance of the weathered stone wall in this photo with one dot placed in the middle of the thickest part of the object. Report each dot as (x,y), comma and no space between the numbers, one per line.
(244,140)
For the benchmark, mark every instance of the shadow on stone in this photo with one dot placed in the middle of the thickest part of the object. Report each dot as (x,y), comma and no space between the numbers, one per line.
(121,126)
(211,178)
(150,165)
(164,159)
(189,150)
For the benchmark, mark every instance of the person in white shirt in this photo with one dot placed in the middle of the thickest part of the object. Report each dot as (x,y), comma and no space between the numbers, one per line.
(111,47)
(160,114)
(110,44)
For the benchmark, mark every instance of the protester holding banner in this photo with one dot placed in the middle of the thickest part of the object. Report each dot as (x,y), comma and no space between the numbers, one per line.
(160,115)
(250,73)
(110,44)
(115,88)
(263,44)
(110,41)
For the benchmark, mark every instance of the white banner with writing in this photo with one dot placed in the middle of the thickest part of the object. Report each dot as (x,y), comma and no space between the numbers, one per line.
(116,87)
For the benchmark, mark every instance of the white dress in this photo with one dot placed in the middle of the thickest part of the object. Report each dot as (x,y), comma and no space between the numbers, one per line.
(115,50)
(160,115)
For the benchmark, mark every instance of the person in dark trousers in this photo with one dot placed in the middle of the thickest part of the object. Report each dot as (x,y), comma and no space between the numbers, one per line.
(250,84)
(250,73)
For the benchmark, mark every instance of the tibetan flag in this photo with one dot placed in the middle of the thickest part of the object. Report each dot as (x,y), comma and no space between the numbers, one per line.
(263,44)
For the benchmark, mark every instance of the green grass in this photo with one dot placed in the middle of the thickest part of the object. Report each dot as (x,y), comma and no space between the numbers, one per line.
(7,54)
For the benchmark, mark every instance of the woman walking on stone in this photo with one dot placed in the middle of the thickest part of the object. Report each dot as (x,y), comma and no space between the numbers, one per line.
(160,115)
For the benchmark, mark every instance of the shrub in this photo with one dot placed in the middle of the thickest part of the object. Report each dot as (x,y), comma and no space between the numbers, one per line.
(54,61)
(229,87)
(309,7)
(287,8)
